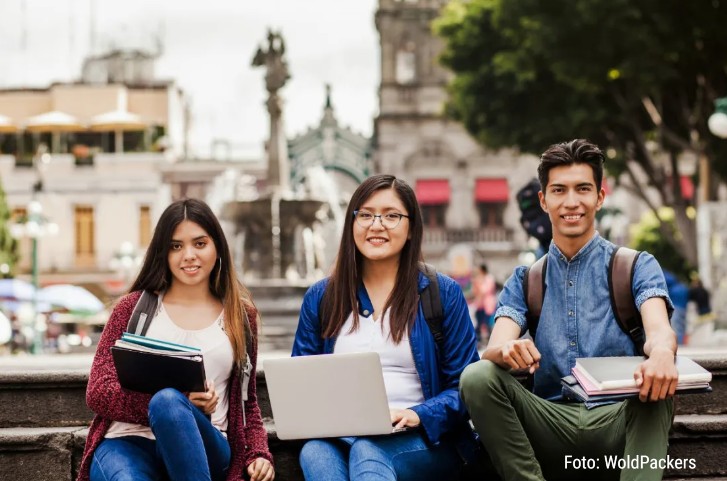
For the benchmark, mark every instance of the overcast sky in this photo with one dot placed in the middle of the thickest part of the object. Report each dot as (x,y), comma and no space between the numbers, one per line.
(208,47)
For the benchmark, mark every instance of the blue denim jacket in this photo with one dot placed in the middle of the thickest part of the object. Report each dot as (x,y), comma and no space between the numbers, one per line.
(442,411)
(576,319)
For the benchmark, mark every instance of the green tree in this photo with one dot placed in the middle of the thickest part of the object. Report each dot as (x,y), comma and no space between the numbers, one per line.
(8,245)
(638,77)
(646,236)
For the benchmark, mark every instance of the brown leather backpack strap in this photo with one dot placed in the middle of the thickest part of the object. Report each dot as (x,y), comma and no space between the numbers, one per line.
(534,292)
(620,285)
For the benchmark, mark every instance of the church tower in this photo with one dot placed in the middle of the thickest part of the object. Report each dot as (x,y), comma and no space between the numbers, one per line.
(464,189)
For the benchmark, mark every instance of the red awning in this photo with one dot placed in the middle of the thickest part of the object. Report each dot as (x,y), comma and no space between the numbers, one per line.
(492,190)
(433,191)
(687,187)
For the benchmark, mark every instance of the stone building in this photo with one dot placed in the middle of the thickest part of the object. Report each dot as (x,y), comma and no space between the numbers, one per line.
(467,191)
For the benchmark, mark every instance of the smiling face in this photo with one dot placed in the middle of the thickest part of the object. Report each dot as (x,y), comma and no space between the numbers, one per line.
(571,200)
(192,255)
(376,243)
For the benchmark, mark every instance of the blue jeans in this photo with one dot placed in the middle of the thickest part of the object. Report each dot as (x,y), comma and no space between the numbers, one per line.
(187,446)
(396,457)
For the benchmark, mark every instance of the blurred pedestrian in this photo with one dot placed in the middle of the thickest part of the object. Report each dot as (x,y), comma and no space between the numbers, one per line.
(700,296)
(679,295)
(484,289)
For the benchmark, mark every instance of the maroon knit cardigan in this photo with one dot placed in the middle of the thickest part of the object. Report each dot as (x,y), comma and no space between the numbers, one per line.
(110,402)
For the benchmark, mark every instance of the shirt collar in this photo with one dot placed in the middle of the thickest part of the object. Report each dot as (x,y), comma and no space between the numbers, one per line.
(557,254)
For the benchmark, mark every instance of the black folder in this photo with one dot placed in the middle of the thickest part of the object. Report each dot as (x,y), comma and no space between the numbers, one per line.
(149,372)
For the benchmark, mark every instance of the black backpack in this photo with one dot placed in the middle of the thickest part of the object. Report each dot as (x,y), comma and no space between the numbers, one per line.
(432,304)
(620,280)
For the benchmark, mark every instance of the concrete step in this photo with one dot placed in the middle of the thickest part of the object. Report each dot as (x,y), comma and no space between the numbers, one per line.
(54,453)
(58,398)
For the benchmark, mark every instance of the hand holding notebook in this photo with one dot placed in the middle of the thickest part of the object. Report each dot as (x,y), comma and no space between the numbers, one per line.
(612,378)
(148,365)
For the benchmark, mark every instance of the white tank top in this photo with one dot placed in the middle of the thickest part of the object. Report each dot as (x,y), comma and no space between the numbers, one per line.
(218,364)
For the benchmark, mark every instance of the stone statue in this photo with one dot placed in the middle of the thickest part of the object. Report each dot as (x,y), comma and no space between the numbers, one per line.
(272,59)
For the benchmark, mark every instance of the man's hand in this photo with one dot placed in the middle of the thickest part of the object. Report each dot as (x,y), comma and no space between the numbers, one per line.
(205,401)
(521,354)
(404,417)
(657,376)
(261,470)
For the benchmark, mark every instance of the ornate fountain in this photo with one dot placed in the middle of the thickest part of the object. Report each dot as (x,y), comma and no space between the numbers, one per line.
(274,232)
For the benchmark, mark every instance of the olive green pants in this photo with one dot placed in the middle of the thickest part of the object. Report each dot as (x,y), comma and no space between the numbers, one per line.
(529,438)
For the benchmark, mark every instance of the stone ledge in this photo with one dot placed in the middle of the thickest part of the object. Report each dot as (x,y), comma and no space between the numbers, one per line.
(54,453)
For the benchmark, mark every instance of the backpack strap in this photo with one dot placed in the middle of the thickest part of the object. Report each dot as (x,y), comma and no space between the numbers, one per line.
(620,286)
(534,292)
(432,304)
(143,313)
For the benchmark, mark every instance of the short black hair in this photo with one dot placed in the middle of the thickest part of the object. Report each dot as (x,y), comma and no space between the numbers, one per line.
(576,151)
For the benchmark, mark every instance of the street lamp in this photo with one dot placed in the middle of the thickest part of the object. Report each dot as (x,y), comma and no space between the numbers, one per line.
(717,122)
(126,261)
(34,226)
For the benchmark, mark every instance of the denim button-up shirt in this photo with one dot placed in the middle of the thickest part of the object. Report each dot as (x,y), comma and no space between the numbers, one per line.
(576,319)
(442,411)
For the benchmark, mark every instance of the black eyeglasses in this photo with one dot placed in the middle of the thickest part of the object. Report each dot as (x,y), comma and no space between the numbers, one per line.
(389,220)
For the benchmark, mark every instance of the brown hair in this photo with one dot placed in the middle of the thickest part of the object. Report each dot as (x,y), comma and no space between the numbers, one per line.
(155,275)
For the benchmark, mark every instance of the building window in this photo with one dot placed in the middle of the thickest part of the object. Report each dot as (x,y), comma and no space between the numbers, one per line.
(85,238)
(491,196)
(433,196)
(144,226)
(406,63)
(491,214)
(433,215)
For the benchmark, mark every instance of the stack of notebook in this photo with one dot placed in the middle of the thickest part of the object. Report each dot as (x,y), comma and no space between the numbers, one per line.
(145,364)
(612,378)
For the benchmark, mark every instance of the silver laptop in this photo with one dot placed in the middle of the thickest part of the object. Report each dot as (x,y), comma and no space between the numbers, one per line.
(330,395)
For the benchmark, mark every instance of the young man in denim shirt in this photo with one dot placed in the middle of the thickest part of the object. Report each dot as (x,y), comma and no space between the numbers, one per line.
(534,436)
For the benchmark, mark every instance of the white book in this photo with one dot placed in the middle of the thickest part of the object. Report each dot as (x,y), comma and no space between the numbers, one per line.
(608,373)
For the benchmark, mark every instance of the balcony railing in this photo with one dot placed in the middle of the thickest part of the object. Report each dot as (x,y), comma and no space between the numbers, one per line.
(482,235)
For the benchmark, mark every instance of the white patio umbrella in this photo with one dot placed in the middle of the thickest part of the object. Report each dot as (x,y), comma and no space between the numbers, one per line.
(72,298)
(54,122)
(6,125)
(117,121)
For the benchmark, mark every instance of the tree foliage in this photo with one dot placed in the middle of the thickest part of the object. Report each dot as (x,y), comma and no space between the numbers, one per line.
(646,236)
(638,77)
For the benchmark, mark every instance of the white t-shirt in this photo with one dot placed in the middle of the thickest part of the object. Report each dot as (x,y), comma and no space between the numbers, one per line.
(218,364)
(403,387)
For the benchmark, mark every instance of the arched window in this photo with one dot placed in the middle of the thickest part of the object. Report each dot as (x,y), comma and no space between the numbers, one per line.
(406,64)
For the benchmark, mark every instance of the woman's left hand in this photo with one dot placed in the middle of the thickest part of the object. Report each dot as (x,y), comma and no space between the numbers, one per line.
(205,401)
(261,470)
(404,417)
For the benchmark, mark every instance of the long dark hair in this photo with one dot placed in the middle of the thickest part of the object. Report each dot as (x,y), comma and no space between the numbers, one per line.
(340,298)
(156,276)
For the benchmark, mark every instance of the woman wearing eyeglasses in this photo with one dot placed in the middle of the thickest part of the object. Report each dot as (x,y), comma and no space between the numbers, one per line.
(371,303)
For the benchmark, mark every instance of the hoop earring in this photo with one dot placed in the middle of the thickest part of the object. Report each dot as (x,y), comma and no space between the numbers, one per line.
(219,275)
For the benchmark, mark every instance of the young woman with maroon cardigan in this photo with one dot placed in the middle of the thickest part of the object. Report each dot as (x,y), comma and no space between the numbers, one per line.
(210,435)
